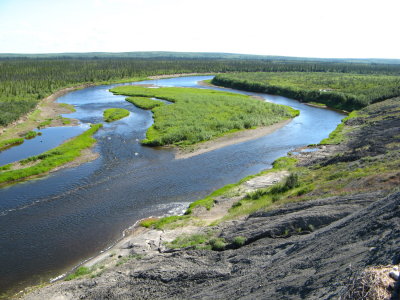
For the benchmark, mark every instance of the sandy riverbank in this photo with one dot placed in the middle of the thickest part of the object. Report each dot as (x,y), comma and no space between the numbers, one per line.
(229,139)
(46,109)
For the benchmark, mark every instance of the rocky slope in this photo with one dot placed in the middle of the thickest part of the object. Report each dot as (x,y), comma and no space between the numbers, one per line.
(299,250)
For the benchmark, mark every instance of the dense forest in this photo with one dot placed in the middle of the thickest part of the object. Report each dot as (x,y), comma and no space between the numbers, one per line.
(24,81)
(337,90)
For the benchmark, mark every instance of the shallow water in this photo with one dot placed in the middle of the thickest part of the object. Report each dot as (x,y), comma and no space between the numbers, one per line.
(50,224)
(50,138)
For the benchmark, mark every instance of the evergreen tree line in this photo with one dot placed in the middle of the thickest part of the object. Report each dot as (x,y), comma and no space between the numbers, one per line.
(337,90)
(24,81)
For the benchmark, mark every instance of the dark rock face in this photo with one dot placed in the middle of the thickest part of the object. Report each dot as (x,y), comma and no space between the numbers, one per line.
(353,232)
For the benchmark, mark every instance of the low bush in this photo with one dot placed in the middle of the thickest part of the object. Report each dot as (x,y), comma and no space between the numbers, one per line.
(114,114)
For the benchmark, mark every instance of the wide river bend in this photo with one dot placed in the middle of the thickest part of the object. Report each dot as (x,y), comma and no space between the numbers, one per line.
(51,224)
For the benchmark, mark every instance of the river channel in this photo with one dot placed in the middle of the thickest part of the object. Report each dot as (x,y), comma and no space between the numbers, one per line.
(53,223)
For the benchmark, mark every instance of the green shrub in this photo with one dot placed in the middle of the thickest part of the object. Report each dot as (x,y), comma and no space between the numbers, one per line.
(144,103)
(239,241)
(217,244)
(189,241)
(44,123)
(10,142)
(162,222)
(114,114)
(81,271)
(30,135)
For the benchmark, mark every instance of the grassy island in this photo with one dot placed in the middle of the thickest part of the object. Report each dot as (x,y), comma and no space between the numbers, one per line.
(344,91)
(10,142)
(49,160)
(30,135)
(144,103)
(114,114)
(199,115)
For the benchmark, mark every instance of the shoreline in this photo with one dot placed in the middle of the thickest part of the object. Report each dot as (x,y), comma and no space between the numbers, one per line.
(47,108)
(149,243)
(155,77)
(324,106)
(229,139)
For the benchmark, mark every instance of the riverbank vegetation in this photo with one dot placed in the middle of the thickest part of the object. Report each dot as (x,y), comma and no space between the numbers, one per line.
(49,160)
(367,160)
(10,142)
(199,114)
(336,90)
(24,81)
(114,114)
(144,103)
(30,135)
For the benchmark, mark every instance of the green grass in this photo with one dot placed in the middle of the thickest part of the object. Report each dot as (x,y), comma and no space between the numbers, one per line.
(44,123)
(144,103)
(338,135)
(10,142)
(217,244)
(81,271)
(125,259)
(200,241)
(30,135)
(239,241)
(200,114)
(161,223)
(53,158)
(283,163)
(317,104)
(70,107)
(65,121)
(114,114)
(6,167)
(337,90)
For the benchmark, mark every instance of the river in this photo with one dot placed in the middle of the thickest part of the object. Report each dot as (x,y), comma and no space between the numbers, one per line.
(53,223)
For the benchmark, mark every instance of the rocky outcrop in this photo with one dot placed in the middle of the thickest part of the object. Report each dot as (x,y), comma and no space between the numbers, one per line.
(349,233)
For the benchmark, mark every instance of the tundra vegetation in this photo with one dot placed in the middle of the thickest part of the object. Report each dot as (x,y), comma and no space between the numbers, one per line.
(114,114)
(199,114)
(337,90)
(144,103)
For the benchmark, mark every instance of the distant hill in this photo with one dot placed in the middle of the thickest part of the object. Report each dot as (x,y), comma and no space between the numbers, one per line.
(195,55)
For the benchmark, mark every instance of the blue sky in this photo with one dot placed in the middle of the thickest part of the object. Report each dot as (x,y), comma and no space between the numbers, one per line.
(313,28)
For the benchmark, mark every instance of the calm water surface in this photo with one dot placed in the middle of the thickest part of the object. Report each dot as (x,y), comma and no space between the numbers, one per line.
(51,224)
(49,138)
